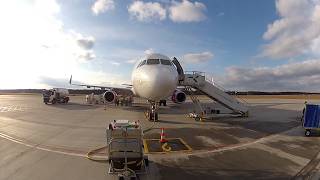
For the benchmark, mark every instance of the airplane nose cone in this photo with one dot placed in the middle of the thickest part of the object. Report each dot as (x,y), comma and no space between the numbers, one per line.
(161,83)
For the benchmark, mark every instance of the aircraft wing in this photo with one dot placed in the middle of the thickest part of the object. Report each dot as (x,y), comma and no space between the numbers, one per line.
(101,87)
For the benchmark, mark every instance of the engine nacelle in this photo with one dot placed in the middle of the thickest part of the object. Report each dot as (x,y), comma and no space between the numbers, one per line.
(110,96)
(178,96)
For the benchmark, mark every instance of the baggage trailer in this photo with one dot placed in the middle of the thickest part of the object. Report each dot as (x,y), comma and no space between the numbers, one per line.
(125,149)
(311,118)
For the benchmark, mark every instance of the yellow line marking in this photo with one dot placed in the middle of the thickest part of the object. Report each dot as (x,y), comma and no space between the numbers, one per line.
(159,139)
(184,143)
(166,147)
(145,146)
(189,149)
(164,152)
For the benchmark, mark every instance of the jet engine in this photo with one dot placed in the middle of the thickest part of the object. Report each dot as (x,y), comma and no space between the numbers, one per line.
(110,96)
(178,96)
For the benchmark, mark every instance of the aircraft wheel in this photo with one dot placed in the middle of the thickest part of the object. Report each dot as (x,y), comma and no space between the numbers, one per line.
(156,116)
(146,160)
(54,101)
(151,116)
(307,132)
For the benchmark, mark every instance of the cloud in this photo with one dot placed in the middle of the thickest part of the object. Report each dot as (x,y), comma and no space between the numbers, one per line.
(192,58)
(146,12)
(87,55)
(115,63)
(38,44)
(86,42)
(55,82)
(186,11)
(296,32)
(131,61)
(101,6)
(99,78)
(149,51)
(220,14)
(137,57)
(47,7)
(301,76)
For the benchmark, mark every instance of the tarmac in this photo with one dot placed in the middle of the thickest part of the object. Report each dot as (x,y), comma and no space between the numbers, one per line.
(39,141)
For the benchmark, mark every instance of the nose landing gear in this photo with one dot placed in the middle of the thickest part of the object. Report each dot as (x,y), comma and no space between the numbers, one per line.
(152,114)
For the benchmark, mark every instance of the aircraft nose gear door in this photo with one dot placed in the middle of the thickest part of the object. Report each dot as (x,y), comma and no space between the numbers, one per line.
(179,69)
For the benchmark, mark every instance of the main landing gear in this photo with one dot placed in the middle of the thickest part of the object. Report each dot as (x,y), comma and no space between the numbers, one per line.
(152,114)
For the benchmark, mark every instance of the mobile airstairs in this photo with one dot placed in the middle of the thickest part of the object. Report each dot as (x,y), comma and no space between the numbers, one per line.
(197,80)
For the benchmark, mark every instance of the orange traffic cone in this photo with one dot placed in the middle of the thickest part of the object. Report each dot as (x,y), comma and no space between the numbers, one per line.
(162,136)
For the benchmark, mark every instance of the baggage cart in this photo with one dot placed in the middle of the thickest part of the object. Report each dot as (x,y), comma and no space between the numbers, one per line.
(311,118)
(125,149)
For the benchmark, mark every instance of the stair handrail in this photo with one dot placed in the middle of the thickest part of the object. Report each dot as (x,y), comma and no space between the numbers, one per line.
(195,72)
(194,98)
(209,78)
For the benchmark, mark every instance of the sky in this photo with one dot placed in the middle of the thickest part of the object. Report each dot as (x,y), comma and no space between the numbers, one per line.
(242,45)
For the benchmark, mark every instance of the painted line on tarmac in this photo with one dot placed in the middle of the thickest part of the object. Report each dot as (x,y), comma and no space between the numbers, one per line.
(84,154)
(240,145)
(165,147)
(309,171)
(46,148)
(11,108)
(230,147)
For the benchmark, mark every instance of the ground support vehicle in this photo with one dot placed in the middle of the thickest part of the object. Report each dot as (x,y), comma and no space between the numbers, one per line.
(56,95)
(125,149)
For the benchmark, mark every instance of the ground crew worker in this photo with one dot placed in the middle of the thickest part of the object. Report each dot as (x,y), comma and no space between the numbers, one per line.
(130,100)
(125,101)
(121,102)
(116,102)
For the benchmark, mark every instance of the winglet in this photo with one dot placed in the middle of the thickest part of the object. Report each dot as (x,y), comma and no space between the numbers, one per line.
(70,79)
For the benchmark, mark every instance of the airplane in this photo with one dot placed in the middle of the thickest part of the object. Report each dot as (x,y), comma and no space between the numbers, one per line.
(154,78)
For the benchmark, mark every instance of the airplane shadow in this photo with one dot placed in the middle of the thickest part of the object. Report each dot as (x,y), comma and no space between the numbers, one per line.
(171,108)
(74,106)
(262,119)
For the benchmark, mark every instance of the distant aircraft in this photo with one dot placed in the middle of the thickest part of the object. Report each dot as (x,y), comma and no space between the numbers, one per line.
(154,78)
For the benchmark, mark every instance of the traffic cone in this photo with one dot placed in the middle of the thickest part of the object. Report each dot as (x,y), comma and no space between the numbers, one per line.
(162,136)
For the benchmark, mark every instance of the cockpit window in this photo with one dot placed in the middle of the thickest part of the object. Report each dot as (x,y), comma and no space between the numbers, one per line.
(165,62)
(153,61)
(142,63)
